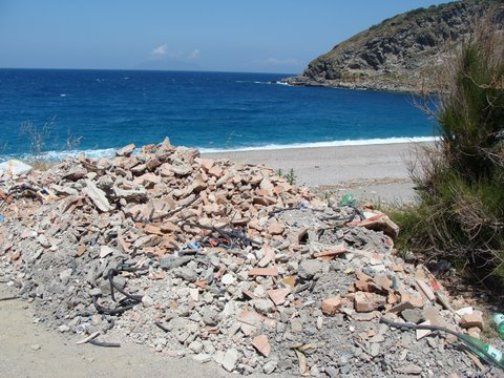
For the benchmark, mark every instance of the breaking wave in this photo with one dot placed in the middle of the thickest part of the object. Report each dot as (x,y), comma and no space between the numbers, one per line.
(109,152)
(336,143)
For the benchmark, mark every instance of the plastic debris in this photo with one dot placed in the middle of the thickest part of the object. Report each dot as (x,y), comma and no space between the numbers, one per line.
(14,168)
(348,200)
(498,322)
(194,245)
(483,350)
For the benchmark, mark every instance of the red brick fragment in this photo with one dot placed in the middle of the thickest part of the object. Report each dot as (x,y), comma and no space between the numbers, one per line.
(367,302)
(278,295)
(472,320)
(272,271)
(262,345)
(330,306)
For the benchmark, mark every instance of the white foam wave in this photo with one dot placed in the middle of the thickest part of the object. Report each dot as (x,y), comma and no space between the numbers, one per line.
(273,83)
(61,155)
(110,152)
(265,82)
(336,143)
(93,154)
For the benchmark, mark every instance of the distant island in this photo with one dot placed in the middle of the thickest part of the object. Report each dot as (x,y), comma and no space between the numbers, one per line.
(402,53)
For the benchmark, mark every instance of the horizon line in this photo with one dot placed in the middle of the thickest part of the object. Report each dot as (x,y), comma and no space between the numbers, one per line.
(143,70)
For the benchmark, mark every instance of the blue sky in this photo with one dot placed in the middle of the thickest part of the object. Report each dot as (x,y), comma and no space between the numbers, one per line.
(219,35)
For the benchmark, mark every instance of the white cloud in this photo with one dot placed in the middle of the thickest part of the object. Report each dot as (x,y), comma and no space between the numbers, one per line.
(195,54)
(276,61)
(160,50)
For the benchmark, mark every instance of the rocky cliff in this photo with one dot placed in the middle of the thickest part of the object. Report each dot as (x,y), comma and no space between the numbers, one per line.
(403,52)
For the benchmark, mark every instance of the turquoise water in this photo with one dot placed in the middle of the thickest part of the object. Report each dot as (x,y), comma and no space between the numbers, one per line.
(210,111)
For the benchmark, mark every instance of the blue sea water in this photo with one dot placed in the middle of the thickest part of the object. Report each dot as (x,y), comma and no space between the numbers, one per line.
(210,111)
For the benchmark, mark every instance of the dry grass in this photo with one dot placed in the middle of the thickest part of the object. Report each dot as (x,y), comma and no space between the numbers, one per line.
(38,137)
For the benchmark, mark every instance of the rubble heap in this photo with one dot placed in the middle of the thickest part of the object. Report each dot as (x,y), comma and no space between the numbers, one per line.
(223,262)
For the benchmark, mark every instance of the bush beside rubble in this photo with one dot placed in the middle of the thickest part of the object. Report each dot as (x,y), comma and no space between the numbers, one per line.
(461,212)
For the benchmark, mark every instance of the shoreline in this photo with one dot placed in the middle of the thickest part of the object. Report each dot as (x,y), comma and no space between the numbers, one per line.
(108,152)
(376,172)
(371,85)
(331,144)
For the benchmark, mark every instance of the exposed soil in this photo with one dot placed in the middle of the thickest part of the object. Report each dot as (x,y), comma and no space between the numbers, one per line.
(59,356)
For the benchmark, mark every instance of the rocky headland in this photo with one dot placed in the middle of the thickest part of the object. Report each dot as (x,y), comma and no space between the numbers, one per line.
(403,53)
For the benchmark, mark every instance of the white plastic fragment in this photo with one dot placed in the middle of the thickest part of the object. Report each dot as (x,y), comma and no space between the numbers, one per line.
(464,311)
(14,168)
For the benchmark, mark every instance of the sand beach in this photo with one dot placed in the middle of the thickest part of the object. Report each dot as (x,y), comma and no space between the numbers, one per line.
(378,172)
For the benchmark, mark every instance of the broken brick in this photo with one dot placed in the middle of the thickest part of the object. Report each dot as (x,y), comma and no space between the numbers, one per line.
(381,222)
(262,345)
(367,302)
(330,253)
(278,296)
(363,285)
(330,306)
(151,229)
(475,319)
(275,228)
(474,332)
(383,282)
(269,256)
(272,271)
(426,289)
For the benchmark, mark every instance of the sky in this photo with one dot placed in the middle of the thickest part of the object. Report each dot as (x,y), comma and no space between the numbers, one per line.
(213,35)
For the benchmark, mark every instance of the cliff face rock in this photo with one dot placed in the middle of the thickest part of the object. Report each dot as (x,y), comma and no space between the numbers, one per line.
(402,52)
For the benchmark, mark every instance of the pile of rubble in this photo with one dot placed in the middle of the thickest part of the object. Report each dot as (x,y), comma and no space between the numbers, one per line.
(223,262)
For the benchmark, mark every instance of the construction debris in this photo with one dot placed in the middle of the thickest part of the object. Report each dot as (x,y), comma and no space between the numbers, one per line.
(199,257)
(14,168)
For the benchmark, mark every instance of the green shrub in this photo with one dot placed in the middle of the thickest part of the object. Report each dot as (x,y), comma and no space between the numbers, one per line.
(460,214)
(290,176)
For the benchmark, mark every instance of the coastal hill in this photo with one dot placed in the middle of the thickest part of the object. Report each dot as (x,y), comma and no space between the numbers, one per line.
(403,52)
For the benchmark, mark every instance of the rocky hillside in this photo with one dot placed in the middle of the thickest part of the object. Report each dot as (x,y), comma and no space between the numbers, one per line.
(403,52)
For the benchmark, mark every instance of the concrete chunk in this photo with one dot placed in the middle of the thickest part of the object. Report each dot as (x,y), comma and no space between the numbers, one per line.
(97,196)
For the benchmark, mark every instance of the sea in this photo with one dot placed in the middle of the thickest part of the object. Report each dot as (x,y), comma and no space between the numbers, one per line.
(61,112)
